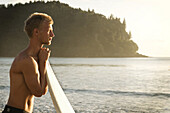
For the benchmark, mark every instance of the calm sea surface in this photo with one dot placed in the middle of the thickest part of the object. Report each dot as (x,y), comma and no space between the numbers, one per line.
(104,85)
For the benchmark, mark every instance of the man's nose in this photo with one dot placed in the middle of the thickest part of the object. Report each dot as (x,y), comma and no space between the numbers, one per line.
(52,34)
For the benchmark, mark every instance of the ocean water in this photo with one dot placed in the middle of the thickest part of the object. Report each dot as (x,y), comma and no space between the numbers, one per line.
(104,85)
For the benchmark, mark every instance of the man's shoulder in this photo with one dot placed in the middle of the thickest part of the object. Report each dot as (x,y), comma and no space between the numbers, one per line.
(23,60)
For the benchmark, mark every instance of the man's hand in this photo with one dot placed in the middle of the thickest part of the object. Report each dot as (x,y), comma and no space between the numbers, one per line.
(44,54)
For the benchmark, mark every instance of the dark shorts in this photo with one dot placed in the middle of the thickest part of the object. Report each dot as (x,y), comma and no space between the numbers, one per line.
(9,109)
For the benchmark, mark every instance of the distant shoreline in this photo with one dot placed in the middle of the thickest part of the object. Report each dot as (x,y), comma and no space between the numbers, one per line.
(118,56)
(89,57)
(78,33)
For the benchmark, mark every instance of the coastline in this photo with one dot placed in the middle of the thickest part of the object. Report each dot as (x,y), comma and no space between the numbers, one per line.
(87,56)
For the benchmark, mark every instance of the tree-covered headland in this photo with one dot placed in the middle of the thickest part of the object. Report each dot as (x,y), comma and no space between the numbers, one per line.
(78,33)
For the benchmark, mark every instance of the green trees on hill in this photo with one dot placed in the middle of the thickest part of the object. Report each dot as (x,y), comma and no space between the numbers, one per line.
(78,33)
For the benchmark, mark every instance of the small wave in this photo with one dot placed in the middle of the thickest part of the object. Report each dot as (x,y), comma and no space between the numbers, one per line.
(2,65)
(126,93)
(4,87)
(89,65)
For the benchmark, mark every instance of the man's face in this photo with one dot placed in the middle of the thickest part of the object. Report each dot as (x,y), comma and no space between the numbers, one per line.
(46,33)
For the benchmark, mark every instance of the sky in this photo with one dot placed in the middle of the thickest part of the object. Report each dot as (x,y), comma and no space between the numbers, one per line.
(148,20)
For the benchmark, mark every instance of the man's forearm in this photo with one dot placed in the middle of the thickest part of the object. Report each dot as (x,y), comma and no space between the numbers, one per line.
(43,72)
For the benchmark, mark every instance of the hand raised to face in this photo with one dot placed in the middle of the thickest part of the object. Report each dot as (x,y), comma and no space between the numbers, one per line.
(44,54)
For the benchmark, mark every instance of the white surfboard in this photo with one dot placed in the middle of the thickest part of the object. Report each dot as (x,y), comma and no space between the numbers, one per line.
(60,101)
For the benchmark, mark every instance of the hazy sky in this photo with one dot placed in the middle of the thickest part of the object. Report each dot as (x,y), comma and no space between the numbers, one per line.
(148,20)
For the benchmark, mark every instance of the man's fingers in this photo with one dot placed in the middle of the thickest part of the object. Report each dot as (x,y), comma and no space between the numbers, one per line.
(47,49)
(44,48)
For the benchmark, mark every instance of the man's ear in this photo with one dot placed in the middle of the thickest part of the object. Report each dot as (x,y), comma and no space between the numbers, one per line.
(35,32)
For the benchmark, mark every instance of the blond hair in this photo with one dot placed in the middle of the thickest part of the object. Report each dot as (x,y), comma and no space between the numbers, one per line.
(34,21)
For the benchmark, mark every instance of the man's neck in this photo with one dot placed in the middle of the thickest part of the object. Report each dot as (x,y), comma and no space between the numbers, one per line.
(34,48)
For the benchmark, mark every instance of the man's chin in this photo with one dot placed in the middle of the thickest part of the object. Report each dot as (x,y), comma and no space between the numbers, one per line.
(47,43)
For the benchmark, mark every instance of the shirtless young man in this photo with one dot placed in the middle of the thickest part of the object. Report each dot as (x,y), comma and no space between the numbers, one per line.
(28,70)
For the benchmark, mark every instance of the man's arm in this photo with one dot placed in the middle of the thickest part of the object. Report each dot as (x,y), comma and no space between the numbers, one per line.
(43,57)
(43,73)
(33,79)
(35,74)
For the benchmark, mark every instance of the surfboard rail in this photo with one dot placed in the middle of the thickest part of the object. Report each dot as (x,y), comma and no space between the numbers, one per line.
(60,101)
